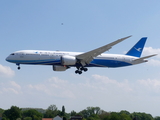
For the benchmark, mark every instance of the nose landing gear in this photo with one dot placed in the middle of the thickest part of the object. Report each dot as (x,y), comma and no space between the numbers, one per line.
(18,66)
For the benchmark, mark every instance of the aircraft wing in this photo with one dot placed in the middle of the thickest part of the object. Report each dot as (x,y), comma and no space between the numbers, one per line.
(87,57)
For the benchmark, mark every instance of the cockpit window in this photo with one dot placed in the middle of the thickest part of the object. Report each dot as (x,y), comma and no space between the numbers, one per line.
(12,54)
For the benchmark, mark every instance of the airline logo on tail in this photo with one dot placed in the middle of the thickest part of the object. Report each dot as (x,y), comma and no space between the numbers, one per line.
(139,49)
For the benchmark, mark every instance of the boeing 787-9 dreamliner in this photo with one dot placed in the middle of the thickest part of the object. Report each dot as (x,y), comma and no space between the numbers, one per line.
(61,60)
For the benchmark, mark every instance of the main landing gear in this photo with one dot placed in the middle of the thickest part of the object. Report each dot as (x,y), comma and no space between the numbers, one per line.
(18,66)
(80,69)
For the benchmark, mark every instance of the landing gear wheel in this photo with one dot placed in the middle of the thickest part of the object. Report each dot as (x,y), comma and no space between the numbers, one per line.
(84,69)
(79,72)
(19,68)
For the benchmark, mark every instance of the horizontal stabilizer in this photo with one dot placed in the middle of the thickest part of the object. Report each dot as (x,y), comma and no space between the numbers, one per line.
(142,58)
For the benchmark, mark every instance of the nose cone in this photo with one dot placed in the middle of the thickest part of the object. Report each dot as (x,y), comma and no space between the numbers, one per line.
(7,59)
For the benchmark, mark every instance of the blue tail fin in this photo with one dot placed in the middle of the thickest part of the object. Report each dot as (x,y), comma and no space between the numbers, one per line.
(137,49)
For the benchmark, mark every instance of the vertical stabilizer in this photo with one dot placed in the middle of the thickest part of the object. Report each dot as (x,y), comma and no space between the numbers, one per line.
(137,49)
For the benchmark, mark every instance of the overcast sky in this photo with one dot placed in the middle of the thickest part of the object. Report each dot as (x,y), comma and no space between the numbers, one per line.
(80,25)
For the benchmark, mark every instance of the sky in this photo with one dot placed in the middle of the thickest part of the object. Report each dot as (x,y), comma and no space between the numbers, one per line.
(80,26)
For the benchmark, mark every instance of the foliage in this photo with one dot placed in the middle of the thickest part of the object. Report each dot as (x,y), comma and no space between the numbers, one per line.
(51,112)
(93,117)
(27,118)
(13,113)
(157,118)
(141,116)
(63,111)
(18,119)
(52,108)
(38,109)
(73,113)
(1,112)
(90,113)
(34,114)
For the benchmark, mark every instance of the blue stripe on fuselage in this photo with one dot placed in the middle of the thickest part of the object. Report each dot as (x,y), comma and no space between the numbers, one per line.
(36,62)
(94,63)
(108,63)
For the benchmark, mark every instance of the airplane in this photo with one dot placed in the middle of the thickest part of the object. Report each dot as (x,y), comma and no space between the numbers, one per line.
(61,60)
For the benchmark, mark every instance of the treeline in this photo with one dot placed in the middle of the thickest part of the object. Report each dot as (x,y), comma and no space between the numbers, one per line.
(90,113)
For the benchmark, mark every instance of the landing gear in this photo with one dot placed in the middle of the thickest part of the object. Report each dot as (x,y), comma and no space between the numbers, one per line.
(18,66)
(78,72)
(84,69)
(80,69)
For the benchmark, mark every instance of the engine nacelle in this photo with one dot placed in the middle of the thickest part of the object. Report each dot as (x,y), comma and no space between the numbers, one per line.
(59,68)
(68,60)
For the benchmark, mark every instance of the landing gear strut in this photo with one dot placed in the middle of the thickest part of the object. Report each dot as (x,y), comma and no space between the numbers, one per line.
(18,66)
(80,69)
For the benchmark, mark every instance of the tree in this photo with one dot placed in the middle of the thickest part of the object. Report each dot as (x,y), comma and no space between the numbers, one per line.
(52,108)
(91,111)
(104,116)
(1,112)
(125,112)
(84,113)
(51,112)
(93,117)
(27,118)
(13,113)
(63,111)
(73,113)
(141,116)
(157,118)
(34,114)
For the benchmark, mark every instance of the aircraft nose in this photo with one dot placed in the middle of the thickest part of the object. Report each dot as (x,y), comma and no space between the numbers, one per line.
(7,58)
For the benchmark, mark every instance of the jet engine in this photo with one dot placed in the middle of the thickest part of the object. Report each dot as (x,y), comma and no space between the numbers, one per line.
(68,60)
(59,68)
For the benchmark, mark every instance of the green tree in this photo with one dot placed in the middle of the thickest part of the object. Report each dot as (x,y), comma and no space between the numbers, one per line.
(73,113)
(1,112)
(91,111)
(52,108)
(93,117)
(124,116)
(51,112)
(125,112)
(157,118)
(84,113)
(114,116)
(27,118)
(34,114)
(141,116)
(104,116)
(13,113)
(63,111)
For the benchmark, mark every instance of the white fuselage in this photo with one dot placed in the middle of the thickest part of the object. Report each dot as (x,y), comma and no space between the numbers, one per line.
(39,57)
